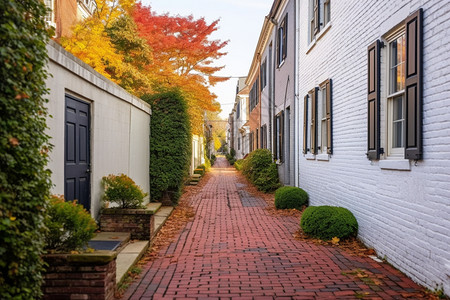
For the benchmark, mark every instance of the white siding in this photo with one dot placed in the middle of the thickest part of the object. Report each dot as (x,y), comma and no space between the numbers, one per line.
(404,215)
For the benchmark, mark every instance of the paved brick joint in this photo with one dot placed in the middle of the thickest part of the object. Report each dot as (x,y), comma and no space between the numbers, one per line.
(235,249)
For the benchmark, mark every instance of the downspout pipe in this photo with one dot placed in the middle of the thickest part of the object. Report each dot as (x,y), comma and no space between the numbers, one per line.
(296,96)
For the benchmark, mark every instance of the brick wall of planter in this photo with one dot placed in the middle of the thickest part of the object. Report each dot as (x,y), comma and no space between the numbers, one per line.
(87,276)
(138,222)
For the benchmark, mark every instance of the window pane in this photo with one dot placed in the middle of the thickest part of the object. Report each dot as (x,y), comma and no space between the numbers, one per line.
(397,122)
(324,136)
(397,64)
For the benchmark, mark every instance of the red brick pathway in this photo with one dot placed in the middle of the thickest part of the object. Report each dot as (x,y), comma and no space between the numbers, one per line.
(235,249)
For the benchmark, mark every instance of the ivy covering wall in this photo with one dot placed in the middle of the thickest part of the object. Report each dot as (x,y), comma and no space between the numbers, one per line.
(24,181)
(170,145)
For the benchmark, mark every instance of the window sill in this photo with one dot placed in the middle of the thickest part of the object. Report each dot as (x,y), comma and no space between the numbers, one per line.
(318,37)
(310,156)
(323,157)
(394,164)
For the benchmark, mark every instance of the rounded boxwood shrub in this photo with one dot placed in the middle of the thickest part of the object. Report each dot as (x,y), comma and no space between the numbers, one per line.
(290,197)
(122,190)
(327,222)
(69,225)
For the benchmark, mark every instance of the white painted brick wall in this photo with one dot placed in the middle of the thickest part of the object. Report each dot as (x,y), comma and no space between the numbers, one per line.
(404,215)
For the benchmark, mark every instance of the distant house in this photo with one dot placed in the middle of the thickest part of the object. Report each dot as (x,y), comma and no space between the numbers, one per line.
(361,103)
(238,128)
(66,12)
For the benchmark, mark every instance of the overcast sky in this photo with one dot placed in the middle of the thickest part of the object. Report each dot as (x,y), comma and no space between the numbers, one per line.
(240,23)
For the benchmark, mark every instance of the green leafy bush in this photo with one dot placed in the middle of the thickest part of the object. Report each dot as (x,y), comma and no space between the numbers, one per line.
(327,222)
(122,190)
(213,159)
(231,157)
(203,167)
(170,144)
(69,225)
(261,171)
(238,164)
(201,172)
(267,180)
(290,197)
(24,179)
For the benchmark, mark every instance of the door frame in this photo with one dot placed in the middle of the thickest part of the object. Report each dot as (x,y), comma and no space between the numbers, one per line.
(88,140)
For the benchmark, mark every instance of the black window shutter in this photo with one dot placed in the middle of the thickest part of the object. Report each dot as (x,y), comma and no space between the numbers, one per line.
(305,125)
(314,120)
(316,17)
(328,112)
(275,134)
(373,101)
(278,41)
(285,29)
(413,86)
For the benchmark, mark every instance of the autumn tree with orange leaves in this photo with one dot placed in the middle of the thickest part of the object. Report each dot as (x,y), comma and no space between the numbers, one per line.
(145,52)
(183,57)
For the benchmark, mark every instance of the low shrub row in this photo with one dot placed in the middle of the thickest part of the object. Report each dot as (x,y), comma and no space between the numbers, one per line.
(238,164)
(261,171)
(231,157)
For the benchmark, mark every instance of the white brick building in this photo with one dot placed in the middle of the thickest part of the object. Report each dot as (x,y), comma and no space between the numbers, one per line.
(400,190)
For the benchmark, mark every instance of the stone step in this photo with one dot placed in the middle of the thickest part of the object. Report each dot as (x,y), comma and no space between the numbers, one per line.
(128,257)
(161,217)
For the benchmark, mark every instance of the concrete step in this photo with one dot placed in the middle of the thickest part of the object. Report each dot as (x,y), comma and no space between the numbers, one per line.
(128,257)
(154,206)
(161,217)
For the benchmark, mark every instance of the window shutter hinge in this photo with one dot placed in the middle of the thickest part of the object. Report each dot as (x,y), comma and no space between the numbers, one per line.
(381,150)
(382,44)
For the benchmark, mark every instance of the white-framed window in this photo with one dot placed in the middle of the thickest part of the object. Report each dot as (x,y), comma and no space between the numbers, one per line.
(319,16)
(396,90)
(317,117)
(50,17)
(395,100)
(322,133)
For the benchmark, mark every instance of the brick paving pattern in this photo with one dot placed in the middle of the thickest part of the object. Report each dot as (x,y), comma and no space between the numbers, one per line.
(235,249)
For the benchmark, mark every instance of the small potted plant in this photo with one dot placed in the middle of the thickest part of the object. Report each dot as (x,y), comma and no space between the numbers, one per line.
(69,261)
(127,212)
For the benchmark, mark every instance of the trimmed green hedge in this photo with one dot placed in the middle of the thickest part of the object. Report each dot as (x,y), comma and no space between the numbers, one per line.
(261,171)
(24,178)
(170,144)
(327,222)
(290,197)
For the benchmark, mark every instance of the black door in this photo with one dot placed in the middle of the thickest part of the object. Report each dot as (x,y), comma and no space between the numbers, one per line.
(77,160)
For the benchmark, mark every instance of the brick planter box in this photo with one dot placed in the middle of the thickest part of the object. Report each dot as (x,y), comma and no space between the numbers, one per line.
(80,276)
(140,223)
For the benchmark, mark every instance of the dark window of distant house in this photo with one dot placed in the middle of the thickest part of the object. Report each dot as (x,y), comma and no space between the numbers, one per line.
(282,41)
(263,74)
(254,95)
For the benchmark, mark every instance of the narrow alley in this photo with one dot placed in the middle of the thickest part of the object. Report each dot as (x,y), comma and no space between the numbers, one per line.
(236,249)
